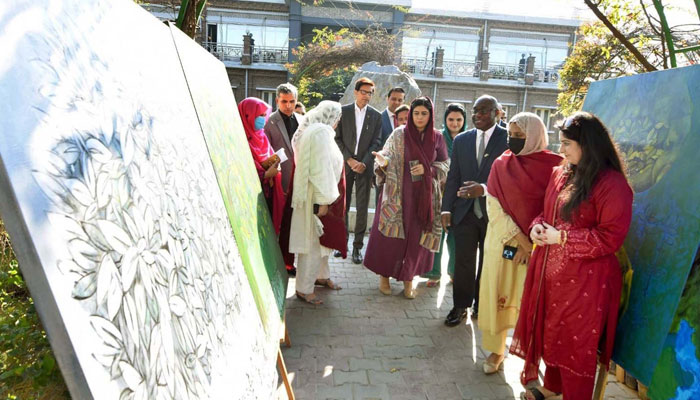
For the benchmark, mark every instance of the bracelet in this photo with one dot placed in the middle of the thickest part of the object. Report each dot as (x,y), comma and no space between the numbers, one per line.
(563,237)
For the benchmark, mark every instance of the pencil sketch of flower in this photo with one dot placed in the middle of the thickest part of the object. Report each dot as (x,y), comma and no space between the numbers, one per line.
(151,249)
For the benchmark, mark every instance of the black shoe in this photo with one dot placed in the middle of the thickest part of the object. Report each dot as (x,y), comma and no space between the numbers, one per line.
(292,271)
(356,256)
(337,254)
(456,316)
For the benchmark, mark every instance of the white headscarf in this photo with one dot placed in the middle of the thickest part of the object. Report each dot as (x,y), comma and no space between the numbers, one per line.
(318,159)
(536,138)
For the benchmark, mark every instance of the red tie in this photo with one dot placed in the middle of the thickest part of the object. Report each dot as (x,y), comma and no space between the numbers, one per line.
(396,121)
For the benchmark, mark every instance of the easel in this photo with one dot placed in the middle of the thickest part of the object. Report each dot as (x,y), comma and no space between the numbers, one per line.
(601,382)
(280,363)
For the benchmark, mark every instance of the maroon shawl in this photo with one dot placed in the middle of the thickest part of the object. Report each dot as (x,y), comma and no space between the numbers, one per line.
(334,234)
(423,151)
(519,182)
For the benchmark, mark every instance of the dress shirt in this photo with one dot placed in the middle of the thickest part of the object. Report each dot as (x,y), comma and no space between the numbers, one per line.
(359,122)
(290,123)
(391,119)
(488,134)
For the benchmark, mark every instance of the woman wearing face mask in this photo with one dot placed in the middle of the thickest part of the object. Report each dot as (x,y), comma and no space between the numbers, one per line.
(455,123)
(572,291)
(406,229)
(254,113)
(516,188)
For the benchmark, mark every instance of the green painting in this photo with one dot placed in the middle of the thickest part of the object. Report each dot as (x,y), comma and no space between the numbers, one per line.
(655,120)
(238,180)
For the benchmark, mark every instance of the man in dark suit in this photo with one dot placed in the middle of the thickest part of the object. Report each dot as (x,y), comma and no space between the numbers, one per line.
(393,100)
(279,129)
(464,201)
(358,134)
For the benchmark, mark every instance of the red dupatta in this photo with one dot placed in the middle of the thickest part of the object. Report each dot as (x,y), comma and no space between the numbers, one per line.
(260,148)
(519,183)
(423,151)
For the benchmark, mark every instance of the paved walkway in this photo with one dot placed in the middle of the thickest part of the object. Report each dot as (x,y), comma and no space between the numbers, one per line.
(361,344)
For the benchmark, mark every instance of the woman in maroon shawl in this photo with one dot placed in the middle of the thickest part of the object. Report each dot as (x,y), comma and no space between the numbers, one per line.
(516,187)
(406,230)
(572,291)
(254,113)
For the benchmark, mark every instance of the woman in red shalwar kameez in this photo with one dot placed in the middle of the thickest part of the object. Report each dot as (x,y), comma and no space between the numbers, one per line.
(572,291)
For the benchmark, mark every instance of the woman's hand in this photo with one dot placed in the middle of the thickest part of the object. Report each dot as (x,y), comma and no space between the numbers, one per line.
(322,210)
(537,234)
(551,234)
(381,160)
(522,256)
(417,170)
(272,170)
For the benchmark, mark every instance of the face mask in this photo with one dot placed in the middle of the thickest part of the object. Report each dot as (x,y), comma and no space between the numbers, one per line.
(516,144)
(259,123)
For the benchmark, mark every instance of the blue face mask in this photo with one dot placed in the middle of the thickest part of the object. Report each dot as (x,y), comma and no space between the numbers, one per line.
(259,123)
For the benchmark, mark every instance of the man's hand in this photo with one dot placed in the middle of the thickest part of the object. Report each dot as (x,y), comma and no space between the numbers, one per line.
(322,210)
(351,163)
(470,190)
(446,220)
(359,167)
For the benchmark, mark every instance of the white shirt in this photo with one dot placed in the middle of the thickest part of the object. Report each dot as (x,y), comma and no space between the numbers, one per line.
(488,133)
(359,122)
(391,118)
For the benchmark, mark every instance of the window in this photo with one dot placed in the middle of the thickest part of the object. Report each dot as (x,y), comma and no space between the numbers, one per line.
(268,96)
(508,47)
(264,36)
(546,113)
(458,46)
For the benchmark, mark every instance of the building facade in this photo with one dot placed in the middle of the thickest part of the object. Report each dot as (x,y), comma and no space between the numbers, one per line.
(454,56)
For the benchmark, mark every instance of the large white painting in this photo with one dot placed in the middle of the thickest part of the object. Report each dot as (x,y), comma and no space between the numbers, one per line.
(111,200)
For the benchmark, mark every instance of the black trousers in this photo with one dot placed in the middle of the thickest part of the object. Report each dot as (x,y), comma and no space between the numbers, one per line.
(469,236)
(362,183)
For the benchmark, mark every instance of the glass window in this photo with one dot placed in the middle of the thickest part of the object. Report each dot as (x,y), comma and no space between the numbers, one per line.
(268,96)
(502,53)
(462,50)
(546,115)
(264,36)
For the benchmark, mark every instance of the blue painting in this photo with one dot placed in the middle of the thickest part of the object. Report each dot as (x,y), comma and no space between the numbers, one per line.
(655,120)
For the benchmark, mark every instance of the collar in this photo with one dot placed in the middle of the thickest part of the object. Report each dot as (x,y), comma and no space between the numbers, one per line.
(488,132)
(358,109)
(285,116)
(391,114)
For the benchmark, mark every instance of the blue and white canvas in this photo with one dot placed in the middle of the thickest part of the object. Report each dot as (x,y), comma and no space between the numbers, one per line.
(112,204)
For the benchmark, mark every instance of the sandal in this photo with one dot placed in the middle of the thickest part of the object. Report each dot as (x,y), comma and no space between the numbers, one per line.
(432,283)
(327,283)
(537,394)
(384,286)
(309,298)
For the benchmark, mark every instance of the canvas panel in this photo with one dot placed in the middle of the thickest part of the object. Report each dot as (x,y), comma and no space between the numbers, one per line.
(654,119)
(238,180)
(113,205)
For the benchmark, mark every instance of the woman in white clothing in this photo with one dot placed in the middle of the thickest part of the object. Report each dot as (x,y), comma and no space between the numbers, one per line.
(318,200)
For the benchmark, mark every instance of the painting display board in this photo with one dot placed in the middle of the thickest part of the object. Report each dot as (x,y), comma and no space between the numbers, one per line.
(114,211)
(655,119)
(238,180)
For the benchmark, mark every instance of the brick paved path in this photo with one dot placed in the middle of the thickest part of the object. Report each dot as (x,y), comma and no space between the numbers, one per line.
(361,344)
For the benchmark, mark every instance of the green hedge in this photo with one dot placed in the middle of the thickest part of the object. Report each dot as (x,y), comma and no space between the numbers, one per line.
(28,369)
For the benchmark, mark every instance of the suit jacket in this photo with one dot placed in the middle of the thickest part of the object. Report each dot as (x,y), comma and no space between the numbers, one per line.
(276,132)
(463,168)
(370,138)
(386,127)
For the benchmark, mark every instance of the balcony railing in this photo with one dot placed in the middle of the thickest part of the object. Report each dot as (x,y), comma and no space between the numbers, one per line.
(234,52)
(547,75)
(449,67)
(506,71)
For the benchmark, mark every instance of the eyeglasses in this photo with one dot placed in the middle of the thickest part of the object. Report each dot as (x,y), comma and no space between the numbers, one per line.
(366,93)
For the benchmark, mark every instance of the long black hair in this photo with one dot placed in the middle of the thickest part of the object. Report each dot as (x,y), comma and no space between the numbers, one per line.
(598,153)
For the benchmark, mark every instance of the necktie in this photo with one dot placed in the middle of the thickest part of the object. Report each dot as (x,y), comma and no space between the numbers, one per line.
(479,156)
(396,121)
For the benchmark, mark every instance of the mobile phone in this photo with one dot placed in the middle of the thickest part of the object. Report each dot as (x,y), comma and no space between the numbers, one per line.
(316,208)
(509,252)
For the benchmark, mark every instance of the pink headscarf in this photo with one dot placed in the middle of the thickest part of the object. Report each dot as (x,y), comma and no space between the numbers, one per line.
(251,108)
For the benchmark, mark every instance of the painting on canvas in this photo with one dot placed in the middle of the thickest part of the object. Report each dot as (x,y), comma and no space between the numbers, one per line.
(112,205)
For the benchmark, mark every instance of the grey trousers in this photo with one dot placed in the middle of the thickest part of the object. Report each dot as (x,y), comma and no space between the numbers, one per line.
(362,183)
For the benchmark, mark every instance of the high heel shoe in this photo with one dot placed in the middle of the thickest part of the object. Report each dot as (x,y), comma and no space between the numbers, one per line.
(491,368)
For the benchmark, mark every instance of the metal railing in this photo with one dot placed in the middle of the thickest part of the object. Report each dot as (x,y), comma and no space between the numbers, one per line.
(449,67)
(547,75)
(461,68)
(506,71)
(234,52)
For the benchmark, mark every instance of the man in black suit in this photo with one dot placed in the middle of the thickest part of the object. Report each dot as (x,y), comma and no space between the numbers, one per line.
(358,134)
(464,201)
(389,123)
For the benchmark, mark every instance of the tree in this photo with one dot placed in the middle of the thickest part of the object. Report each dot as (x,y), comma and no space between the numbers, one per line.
(629,38)
(188,17)
(325,66)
